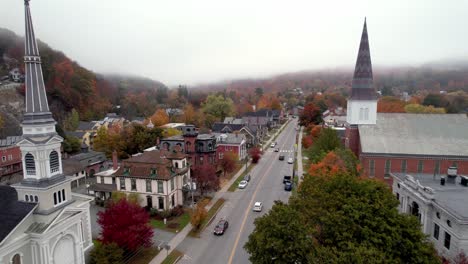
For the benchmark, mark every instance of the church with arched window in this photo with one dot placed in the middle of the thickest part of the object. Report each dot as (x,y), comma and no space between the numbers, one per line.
(41,220)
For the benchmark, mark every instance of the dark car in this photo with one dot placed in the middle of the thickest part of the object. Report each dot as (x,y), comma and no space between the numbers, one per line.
(221,227)
(277,149)
(247,177)
(281,157)
(287,178)
(288,186)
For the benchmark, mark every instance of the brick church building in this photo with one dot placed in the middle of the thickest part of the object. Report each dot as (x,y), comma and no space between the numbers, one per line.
(400,142)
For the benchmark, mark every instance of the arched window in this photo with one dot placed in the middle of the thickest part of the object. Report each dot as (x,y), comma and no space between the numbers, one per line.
(26,197)
(30,164)
(16,259)
(54,161)
(36,199)
(166,146)
(187,146)
(31,198)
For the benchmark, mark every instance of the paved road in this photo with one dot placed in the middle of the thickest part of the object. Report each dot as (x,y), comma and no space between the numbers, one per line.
(266,186)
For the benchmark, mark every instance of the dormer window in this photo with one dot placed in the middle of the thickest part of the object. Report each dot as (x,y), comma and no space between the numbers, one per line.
(126,171)
(153,172)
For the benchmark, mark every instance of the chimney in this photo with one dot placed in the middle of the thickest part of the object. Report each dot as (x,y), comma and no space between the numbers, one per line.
(451,174)
(114,160)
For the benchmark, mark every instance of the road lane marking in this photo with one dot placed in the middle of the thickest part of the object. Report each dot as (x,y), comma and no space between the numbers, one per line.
(246,213)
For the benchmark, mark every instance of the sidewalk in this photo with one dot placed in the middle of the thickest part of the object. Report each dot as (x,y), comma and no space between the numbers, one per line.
(299,157)
(184,232)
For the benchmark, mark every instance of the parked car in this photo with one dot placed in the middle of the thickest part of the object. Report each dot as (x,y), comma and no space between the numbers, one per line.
(288,186)
(281,157)
(276,149)
(290,160)
(258,206)
(221,227)
(273,144)
(287,178)
(243,184)
(247,178)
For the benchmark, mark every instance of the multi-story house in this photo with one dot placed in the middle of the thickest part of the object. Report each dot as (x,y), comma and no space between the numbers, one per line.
(231,142)
(251,134)
(439,202)
(200,148)
(157,176)
(10,158)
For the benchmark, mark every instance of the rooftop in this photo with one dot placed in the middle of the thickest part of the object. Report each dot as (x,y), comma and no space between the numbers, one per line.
(416,134)
(12,211)
(452,197)
(9,141)
(229,138)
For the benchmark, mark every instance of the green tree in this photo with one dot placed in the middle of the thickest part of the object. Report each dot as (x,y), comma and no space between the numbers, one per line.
(259,92)
(436,100)
(279,237)
(71,144)
(218,106)
(421,109)
(327,140)
(118,195)
(72,121)
(106,254)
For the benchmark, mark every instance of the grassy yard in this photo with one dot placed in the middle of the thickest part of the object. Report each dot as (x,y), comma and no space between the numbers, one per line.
(175,254)
(144,256)
(213,210)
(233,186)
(173,225)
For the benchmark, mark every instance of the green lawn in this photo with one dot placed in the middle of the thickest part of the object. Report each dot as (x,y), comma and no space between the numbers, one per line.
(234,185)
(214,209)
(178,223)
(144,256)
(175,254)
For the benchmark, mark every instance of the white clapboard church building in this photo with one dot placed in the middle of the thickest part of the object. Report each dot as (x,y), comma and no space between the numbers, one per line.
(41,221)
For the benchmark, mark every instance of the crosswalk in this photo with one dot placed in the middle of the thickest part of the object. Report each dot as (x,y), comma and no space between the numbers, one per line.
(281,151)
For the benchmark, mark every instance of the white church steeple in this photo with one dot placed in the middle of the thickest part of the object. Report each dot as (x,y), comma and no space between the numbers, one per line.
(362,104)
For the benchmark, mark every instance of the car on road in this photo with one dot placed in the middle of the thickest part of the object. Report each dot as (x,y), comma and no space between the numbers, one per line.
(287,178)
(281,157)
(273,144)
(258,206)
(276,149)
(247,178)
(288,186)
(290,160)
(243,184)
(221,227)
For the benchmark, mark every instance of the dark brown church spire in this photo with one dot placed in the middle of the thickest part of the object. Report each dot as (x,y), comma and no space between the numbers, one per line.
(362,87)
(37,108)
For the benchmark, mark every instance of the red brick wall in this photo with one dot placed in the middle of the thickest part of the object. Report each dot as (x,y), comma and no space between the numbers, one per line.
(12,165)
(224,149)
(411,165)
(352,139)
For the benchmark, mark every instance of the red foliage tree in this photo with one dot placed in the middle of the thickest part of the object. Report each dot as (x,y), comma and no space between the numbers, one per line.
(310,115)
(206,178)
(228,163)
(307,141)
(256,154)
(389,104)
(126,224)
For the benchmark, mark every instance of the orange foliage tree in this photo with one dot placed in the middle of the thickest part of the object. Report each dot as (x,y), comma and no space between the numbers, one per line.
(331,164)
(389,104)
(160,118)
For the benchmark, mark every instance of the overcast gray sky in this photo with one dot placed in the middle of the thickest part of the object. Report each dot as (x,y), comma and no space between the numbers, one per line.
(193,41)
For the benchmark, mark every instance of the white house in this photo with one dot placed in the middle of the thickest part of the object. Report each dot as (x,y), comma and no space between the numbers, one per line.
(440,203)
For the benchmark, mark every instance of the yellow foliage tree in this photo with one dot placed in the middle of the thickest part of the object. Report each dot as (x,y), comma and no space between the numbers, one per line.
(421,109)
(189,114)
(159,118)
(169,132)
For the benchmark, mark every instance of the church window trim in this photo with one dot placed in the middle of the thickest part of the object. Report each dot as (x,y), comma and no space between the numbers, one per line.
(54,162)
(30,164)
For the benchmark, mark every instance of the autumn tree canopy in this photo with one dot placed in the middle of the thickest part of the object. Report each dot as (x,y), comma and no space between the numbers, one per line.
(126,224)
(159,118)
(218,106)
(310,115)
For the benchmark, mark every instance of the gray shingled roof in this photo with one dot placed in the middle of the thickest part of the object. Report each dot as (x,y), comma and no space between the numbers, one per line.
(10,141)
(230,138)
(12,211)
(416,134)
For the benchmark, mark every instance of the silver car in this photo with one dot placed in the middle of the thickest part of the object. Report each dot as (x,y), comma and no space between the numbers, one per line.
(243,184)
